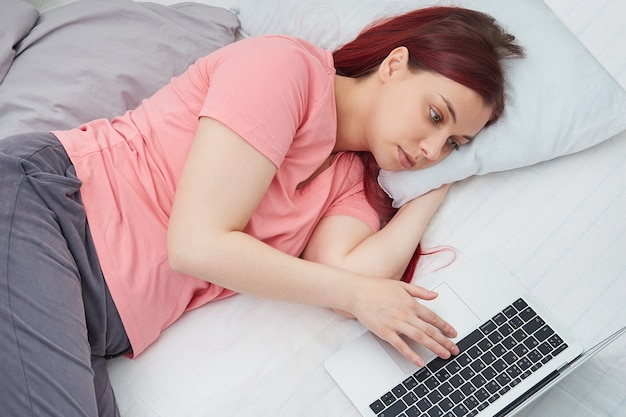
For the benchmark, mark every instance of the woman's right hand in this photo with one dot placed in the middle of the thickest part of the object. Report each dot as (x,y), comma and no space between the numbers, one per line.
(389,309)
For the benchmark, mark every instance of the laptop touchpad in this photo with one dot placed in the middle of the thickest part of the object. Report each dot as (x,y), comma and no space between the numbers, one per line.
(449,307)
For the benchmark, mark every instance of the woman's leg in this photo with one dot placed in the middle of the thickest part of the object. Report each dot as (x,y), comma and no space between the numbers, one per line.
(53,303)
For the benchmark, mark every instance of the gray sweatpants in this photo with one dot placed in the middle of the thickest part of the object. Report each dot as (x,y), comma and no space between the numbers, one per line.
(58,322)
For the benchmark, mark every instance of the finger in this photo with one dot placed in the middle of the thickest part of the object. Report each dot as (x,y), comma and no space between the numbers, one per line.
(431,338)
(401,346)
(434,319)
(420,292)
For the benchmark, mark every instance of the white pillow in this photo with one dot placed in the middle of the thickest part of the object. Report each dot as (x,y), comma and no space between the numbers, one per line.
(560,100)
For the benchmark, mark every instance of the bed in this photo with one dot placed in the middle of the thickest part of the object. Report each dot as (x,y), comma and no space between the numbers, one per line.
(558,225)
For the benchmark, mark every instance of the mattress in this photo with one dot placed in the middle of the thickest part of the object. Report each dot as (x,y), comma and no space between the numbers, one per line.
(558,226)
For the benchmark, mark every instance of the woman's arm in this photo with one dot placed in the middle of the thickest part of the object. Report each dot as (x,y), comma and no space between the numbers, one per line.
(222,183)
(348,243)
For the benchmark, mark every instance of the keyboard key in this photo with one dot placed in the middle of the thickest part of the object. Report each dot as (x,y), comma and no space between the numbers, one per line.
(516,322)
(499,365)
(559,349)
(488,327)
(533,325)
(446,388)
(409,383)
(503,379)
(467,373)
(435,412)
(519,335)
(485,345)
(421,375)
(489,373)
(470,403)
(410,398)
(469,340)
(388,399)
(482,395)
(377,406)
(421,390)
(492,387)
(520,350)
(543,333)
(555,340)
(524,364)
(545,348)
(527,314)
(431,382)
(424,404)
(453,367)
(509,312)
(457,396)
(499,319)
(394,410)
(478,381)
(510,357)
(446,404)
(488,357)
(456,380)
(463,359)
(531,343)
(495,337)
(399,390)
(505,330)
(513,371)
(478,366)
(436,364)
(509,343)
(413,412)
(434,397)
(520,304)
(468,388)
(442,375)
(473,352)
(460,410)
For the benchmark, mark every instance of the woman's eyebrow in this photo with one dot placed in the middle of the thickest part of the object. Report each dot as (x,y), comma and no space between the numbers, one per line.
(453,114)
(449,106)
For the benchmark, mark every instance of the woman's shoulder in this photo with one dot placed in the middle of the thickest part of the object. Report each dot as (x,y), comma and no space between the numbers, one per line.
(280,49)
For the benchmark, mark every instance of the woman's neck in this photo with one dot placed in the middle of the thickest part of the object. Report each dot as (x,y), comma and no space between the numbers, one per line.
(351,104)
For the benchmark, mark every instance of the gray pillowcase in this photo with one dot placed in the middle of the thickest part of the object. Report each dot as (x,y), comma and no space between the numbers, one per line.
(16,20)
(93,59)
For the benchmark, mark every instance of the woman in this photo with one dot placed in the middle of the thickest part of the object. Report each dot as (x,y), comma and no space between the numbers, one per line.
(254,171)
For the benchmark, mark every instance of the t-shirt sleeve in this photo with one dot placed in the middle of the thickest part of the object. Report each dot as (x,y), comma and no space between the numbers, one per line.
(352,202)
(259,88)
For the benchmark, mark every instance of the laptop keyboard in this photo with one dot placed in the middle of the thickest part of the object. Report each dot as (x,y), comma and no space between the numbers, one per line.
(493,359)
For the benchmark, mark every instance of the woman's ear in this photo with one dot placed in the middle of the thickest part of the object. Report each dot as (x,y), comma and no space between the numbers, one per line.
(394,63)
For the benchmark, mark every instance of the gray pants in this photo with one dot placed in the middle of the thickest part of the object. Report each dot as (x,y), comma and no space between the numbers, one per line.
(58,323)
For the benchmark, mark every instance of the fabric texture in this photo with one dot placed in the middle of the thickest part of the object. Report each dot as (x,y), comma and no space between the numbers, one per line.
(16,20)
(58,321)
(131,165)
(91,59)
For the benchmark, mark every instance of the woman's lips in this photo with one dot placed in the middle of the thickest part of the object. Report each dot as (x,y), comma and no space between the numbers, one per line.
(406,160)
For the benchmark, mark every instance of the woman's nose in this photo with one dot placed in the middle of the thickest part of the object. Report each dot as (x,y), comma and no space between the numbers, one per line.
(432,147)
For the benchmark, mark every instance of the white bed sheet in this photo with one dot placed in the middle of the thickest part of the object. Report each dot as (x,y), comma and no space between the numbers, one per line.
(560,227)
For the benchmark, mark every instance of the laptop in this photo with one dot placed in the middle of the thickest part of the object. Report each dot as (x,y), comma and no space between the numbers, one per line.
(511,351)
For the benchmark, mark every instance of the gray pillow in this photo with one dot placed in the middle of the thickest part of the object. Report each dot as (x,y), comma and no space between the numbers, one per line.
(93,59)
(16,20)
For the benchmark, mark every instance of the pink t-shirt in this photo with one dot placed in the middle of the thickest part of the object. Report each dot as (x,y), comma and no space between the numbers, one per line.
(278,94)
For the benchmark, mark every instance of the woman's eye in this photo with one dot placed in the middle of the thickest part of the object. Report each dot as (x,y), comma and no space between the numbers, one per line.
(435,116)
(453,144)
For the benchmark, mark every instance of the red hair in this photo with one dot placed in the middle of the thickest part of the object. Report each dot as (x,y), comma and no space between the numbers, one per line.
(463,45)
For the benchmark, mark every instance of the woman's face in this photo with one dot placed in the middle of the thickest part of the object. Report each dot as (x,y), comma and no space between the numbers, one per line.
(419,118)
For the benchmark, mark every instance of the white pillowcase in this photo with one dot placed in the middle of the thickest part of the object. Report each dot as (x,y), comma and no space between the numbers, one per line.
(560,100)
